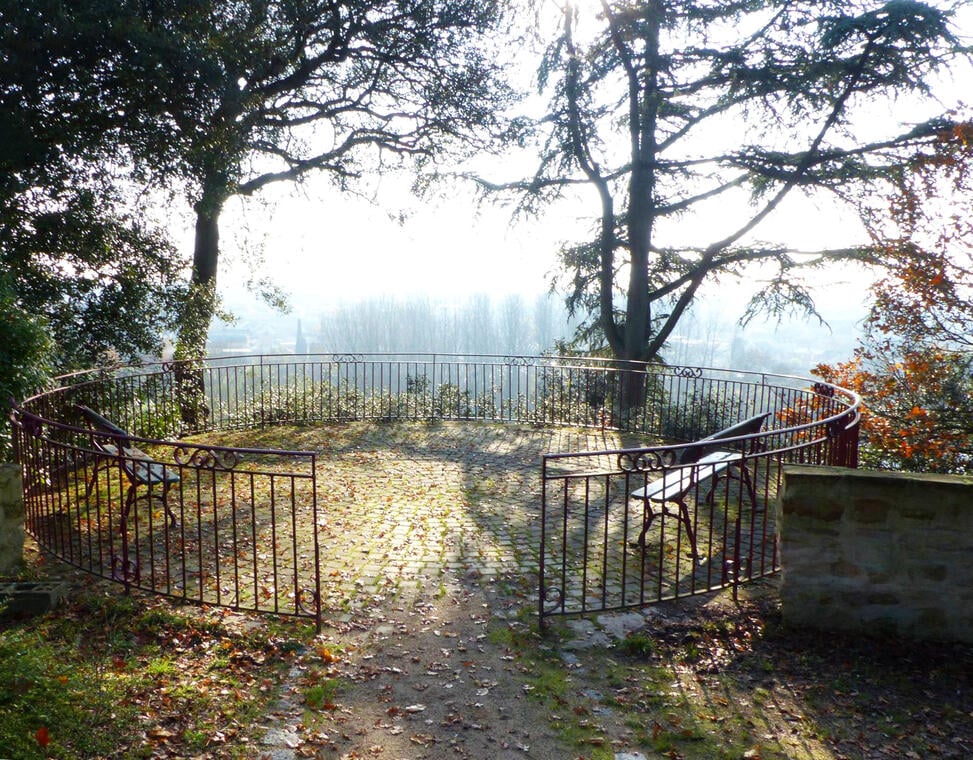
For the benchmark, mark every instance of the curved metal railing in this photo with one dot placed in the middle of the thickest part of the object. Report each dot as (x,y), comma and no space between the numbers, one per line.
(230,527)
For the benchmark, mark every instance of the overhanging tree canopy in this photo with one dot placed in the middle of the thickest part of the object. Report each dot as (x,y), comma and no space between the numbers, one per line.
(668,109)
(924,225)
(75,247)
(228,97)
(914,362)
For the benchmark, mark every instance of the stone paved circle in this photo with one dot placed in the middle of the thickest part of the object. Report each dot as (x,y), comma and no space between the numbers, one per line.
(408,504)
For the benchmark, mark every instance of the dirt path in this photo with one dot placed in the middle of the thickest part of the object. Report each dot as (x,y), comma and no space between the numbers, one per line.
(424,679)
(430,650)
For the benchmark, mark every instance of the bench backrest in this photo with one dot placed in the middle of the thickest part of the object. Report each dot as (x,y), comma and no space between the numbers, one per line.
(103,425)
(697,449)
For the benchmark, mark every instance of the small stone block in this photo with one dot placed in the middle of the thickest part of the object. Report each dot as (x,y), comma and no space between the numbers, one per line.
(32,597)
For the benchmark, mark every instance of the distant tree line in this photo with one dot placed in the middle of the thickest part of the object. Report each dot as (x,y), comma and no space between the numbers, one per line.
(481,325)
(518,325)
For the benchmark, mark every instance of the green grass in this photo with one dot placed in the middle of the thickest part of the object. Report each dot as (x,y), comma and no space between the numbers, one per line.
(50,686)
(548,681)
(320,696)
(637,644)
(109,675)
(647,693)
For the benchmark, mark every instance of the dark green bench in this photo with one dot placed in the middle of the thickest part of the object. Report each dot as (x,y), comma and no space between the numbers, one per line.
(114,445)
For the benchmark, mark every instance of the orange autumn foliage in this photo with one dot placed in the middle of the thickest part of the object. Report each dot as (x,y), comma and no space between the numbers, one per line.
(916,412)
(914,364)
(923,232)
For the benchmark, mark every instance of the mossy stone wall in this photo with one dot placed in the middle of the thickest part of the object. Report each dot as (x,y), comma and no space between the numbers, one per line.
(877,552)
(11,520)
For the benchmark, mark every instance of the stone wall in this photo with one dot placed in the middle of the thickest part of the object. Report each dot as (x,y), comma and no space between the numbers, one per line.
(877,552)
(11,520)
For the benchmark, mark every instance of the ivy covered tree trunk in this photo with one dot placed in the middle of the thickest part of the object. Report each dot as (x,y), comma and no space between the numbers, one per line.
(197,314)
(225,98)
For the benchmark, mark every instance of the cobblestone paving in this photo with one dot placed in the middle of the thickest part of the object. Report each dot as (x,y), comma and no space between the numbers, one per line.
(405,506)
(410,504)
(427,528)
(429,535)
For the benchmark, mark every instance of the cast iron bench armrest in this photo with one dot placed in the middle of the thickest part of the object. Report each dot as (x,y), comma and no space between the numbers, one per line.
(115,441)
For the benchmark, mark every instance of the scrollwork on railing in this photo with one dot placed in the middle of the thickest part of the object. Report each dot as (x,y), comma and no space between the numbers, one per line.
(347,358)
(553,600)
(301,607)
(518,361)
(651,460)
(206,458)
(125,570)
(693,373)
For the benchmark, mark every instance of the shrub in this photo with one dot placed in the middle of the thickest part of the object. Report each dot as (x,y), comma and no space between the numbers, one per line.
(25,356)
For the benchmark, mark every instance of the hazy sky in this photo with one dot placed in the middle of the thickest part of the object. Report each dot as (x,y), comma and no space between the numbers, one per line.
(322,245)
(319,240)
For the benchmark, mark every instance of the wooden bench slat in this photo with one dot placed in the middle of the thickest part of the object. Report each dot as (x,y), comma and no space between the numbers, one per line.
(696,464)
(139,465)
(115,443)
(681,479)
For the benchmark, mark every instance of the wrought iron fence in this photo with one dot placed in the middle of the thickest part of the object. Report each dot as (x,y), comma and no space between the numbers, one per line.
(207,524)
(238,527)
(625,528)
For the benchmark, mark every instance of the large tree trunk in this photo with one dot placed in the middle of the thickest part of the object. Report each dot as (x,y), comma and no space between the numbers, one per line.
(197,313)
(631,393)
(635,346)
(201,302)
